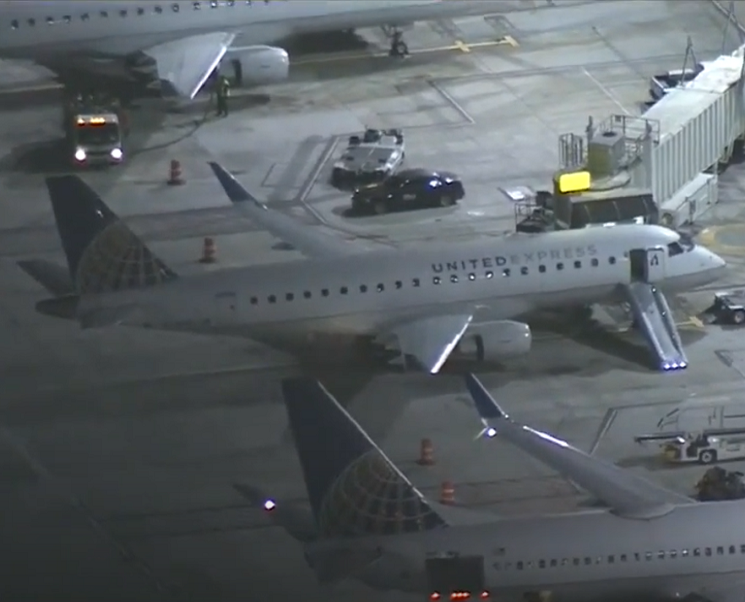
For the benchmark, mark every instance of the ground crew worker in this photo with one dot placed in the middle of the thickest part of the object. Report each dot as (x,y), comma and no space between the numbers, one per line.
(222,94)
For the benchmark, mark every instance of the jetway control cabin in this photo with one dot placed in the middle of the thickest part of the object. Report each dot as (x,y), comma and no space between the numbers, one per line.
(555,211)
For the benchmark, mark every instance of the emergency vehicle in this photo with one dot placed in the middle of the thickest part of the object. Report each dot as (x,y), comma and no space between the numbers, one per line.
(94,137)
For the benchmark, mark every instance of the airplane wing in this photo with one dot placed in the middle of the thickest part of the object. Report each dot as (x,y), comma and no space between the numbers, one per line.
(307,239)
(185,64)
(431,340)
(626,493)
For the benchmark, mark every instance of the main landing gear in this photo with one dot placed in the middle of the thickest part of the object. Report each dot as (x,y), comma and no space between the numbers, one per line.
(399,48)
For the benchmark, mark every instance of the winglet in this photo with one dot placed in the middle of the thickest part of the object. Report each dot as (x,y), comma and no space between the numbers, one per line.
(486,405)
(235,191)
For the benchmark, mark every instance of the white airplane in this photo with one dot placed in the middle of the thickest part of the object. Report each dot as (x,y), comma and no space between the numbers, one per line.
(173,46)
(368,522)
(429,301)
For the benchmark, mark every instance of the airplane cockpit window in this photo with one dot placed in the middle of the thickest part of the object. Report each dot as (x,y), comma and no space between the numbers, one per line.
(14,24)
(674,249)
(686,241)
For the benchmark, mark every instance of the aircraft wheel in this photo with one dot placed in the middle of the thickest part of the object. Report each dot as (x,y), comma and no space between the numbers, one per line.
(738,317)
(707,457)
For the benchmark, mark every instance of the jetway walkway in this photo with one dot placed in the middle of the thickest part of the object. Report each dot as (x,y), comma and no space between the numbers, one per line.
(654,319)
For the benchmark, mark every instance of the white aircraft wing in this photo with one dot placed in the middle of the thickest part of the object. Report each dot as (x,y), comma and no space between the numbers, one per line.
(185,64)
(431,340)
(624,492)
(310,240)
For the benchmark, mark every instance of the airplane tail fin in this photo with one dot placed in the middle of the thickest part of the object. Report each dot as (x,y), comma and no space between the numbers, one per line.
(53,277)
(354,488)
(103,254)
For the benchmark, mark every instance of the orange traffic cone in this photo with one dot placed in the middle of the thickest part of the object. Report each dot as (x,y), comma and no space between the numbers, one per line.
(447,493)
(426,453)
(175,176)
(209,251)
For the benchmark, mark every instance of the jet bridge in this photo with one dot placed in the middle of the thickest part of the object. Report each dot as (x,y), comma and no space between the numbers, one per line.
(651,311)
(676,149)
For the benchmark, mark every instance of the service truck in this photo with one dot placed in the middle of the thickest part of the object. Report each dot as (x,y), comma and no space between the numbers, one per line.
(94,135)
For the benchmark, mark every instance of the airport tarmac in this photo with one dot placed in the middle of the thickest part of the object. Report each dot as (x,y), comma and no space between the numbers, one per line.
(119,449)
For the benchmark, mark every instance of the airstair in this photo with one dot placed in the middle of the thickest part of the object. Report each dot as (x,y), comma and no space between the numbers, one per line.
(654,319)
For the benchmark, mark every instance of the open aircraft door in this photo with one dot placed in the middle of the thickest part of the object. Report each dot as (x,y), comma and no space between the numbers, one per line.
(648,265)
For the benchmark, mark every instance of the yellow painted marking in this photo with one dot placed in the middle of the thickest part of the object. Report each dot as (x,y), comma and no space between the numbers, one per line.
(356,56)
(696,321)
(691,321)
(709,237)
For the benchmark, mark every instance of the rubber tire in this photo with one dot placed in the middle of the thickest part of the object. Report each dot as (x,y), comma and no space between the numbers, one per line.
(379,208)
(738,317)
(707,457)
(446,201)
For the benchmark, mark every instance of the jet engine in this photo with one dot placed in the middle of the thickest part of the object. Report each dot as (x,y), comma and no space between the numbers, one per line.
(259,65)
(494,340)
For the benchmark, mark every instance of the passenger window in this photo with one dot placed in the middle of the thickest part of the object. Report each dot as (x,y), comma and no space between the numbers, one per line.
(611,260)
(496,566)
(472,276)
(307,294)
(637,556)
(140,11)
(85,16)
(123,12)
(380,288)
(254,301)
(289,296)
(697,551)
(541,268)
(553,562)
(325,292)
(50,20)
(684,553)
(594,263)
(661,554)
(399,284)
(344,290)
(489,275)
(197,6)
(519,565)
(588,560)
(575,561)
(564,561)
(577,264)
(32,22)
(158,10)
(175,7)
(524,271)
(67,19)
(648,555)
(14,24)
(541,564)
(272,299)
(623,557)
(742,548)
(363,288)
(720,550)
(559,266)
(707,551)
(104,14)
(506,272)
(530,564)
(436,280)
(673,554)
(453,278)
(415,282)
(611,559)
(732,550)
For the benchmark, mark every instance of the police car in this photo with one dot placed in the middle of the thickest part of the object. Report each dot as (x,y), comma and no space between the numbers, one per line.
(409,189)
(371,157)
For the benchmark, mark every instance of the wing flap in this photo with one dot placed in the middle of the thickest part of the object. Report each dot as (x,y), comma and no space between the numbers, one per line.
(307,239)
(625,492)
(431,340)
(185,64)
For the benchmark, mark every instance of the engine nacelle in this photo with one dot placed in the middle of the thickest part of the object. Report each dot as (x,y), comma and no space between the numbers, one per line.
(494,340)
(259,65)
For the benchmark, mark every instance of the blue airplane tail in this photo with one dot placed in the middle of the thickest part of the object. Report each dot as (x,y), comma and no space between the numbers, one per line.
(103,254)
(353,487)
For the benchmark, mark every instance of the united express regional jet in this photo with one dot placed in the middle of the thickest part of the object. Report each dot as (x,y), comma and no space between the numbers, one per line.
(367,521)
(427,302)
(173,46)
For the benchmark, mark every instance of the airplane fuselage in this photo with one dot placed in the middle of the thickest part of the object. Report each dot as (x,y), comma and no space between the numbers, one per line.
(365,293)
(580,557)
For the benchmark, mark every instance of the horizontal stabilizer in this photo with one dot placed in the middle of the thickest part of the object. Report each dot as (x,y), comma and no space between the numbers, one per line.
(53,277)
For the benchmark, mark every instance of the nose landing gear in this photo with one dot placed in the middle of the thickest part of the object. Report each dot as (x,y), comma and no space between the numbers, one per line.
(399,48)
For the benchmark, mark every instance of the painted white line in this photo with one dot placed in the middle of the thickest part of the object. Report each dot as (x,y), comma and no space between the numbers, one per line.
(605,91)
